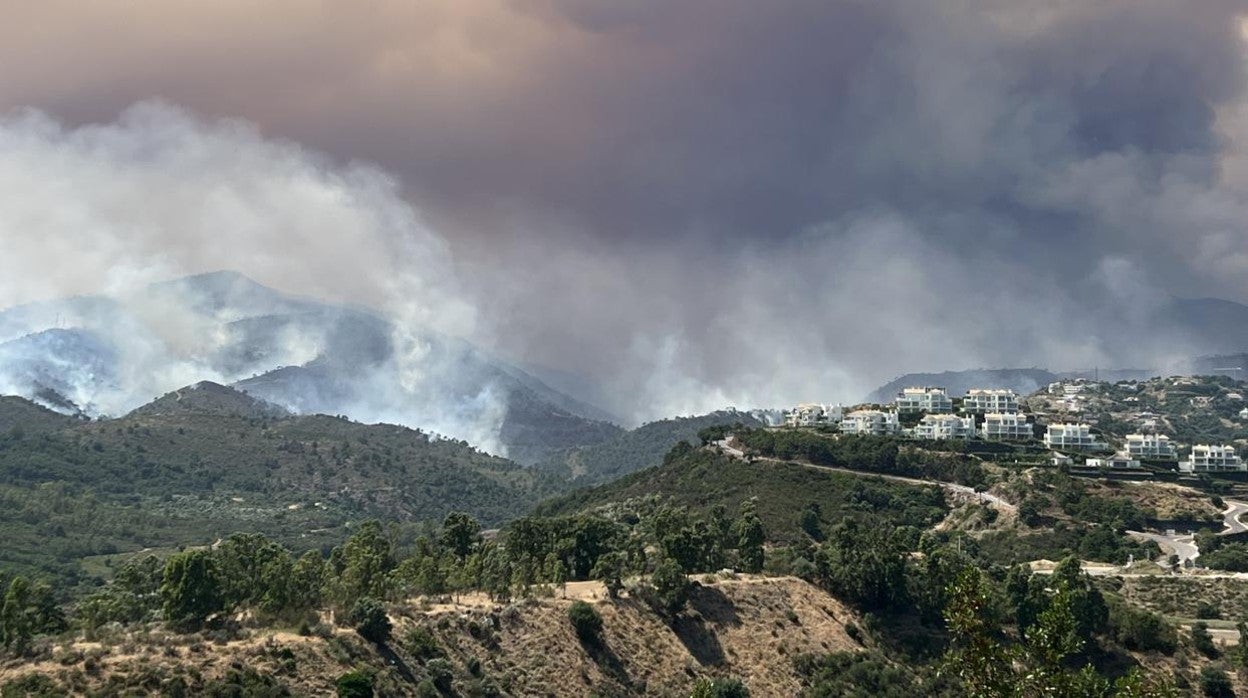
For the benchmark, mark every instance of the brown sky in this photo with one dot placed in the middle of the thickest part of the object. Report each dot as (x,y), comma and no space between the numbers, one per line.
(627,180)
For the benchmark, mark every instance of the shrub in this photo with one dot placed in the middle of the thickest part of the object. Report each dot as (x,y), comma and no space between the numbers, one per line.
(421,644)
(720,688)
(586,621)
(355,684)
(1203,641)
(369,618)
(1214,683)
(441,674)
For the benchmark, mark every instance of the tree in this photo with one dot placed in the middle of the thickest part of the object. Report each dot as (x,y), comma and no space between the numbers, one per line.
(363,565)
(555,571)
(355,684)
(1203,641)
(586,622)
(191,590)
(369,618)
(864,567)
(610,570)
(671,585)
(750,538)
(460,533)
(809,522)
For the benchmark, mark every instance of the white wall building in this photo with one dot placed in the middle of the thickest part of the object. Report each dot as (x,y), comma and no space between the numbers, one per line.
(925,399)
(944,426)
(870,422)
(813,415)
(1006,426)
(1151,446)
(983,401)
(1072,437)
(1118,461)
(1213,459)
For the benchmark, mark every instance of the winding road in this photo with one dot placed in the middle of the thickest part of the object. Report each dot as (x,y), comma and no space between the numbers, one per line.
(1184,545)
(989,499)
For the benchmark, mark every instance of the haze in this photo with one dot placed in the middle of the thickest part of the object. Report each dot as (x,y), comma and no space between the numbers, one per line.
(683,204)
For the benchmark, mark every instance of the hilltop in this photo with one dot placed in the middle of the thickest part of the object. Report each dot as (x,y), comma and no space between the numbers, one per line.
(208,398)
(637,449)
(207,461)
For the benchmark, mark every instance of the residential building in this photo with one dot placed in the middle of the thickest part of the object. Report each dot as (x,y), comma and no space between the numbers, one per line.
(870,422)
(1077,437)
(1059,459)
(983,401)
(1213,459)
(1006,426)
(1151,446)
(1235,397)
(944,426)
(1118,461)
(1243,414)
(925,399)
(813,415)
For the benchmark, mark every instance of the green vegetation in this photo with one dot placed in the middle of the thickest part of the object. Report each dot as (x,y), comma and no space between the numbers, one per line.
(77,497)
(873,454)
(586,622)
(702,480)
(643,447)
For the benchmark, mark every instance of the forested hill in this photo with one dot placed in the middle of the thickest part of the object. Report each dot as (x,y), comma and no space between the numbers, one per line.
(640,448)
(702,480)
(162,478)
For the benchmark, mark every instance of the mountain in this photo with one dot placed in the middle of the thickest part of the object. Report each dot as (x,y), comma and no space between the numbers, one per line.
(107,356)
(206,461)
(1021,380)
(637,449)
(208,398)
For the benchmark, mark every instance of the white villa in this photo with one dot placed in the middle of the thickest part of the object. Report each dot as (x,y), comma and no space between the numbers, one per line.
(1006,426)
(983,401)
(813,415)
(944,426)
(1213,459)
(925,399)
(870,422)
(1118,461)
(1072,437)
(1151,446)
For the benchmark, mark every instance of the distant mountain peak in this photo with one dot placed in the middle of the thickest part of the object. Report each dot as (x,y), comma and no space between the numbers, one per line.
(207,397)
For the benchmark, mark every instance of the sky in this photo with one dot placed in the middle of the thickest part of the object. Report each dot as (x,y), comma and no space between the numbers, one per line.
(688,203)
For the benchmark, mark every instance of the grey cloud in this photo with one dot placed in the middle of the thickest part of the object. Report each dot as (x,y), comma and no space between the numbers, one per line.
(702,202)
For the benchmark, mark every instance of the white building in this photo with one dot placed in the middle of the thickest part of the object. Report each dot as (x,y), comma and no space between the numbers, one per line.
(944,426)
(1243,414)
(813,415)
(870,422)
(1006,426)
(1118,461)
(1151,446)
(983,401)
(1213,459)
(925,399)
(1072,437)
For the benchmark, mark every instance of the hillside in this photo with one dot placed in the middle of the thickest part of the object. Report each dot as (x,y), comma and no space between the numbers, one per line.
(31,418)
(751,628)
(208,398)
(107,356)
(185,472)
(701,479)
(637,449)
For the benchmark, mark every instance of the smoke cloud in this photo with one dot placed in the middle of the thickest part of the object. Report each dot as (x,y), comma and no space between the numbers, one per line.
(686,203)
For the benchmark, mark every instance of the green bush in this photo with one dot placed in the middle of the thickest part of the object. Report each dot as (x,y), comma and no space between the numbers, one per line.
(720,688)
(355,684)
(586,621)
(369,619)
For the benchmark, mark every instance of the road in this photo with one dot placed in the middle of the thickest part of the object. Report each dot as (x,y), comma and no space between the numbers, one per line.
(1182,545)
(1230,518)
(990,499)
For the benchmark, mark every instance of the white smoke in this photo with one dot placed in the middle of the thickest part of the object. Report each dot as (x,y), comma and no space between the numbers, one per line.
(158,194)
